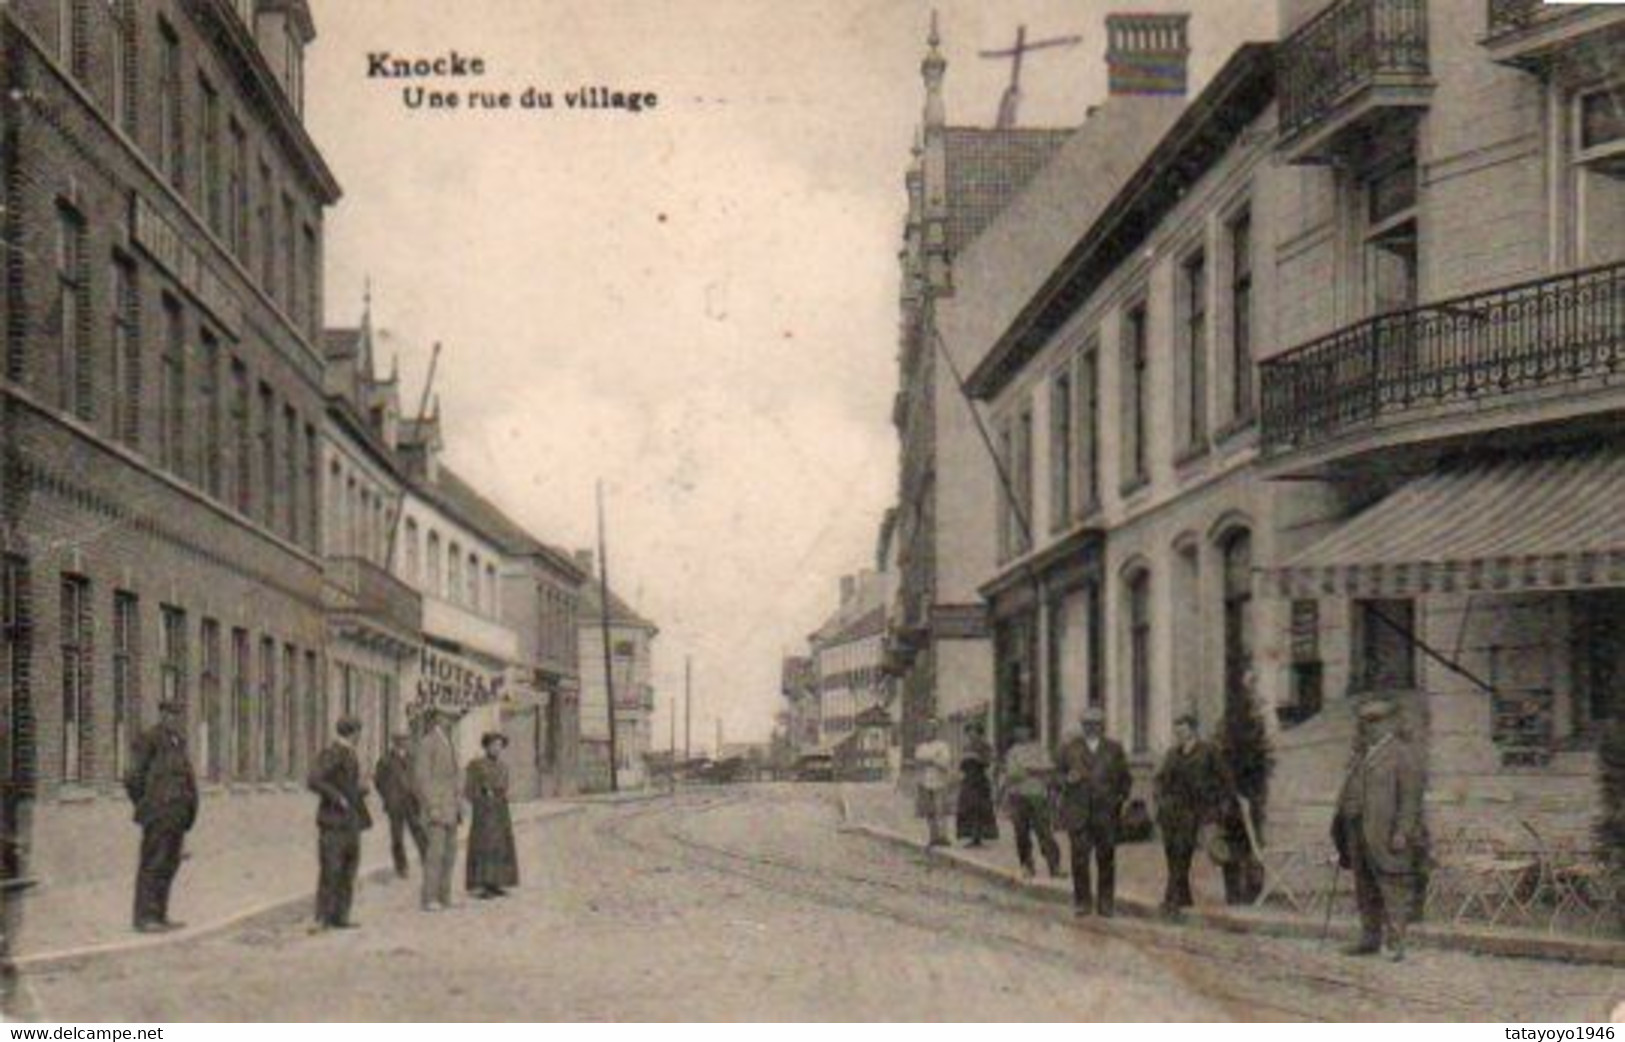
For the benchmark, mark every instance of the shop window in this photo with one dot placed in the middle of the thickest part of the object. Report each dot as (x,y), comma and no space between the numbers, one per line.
(1384,646)
(1598,652)
(1139,661)
(1237,551)
(1306,675)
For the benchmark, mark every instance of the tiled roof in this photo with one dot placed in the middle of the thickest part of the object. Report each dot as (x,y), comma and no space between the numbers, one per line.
(986,169)
(459,497)
(620,613)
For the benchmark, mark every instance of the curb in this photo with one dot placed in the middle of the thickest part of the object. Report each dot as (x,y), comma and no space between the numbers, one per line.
(42,962)
(1477,942)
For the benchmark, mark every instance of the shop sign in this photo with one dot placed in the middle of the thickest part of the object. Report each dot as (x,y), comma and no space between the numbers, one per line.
(447,681)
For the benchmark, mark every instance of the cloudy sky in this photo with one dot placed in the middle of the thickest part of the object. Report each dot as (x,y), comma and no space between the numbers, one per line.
(695,305)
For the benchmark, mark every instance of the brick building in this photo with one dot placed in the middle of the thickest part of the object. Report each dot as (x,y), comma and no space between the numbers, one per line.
(162,392)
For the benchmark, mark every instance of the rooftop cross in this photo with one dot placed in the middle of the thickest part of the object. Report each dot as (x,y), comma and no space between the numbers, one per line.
(1012,94)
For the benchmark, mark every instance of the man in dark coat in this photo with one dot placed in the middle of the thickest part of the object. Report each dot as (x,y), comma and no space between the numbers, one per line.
(161,784)
(1193,788)
(393,780)
(341,817)
(1095,782)
(1378,828)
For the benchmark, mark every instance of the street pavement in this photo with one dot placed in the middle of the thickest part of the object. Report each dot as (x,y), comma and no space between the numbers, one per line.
(750,903)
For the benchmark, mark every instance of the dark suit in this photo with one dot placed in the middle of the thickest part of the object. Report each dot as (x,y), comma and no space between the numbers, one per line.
(340,819)
(163,788)
(1193,789)
(1094,786)
(1381,803)
(393,780)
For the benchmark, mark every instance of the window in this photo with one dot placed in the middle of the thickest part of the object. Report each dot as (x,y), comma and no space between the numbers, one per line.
(212,718)
(1006,518)
(1236,550)
(16,667)
(474,601)
(125,348)
(454,572)
(1088,395)
(71,311)
(413,576)
(313,286)
(291,465)
(267,231)
(434,564)
(242,700)
(1241,317)
(269,764)
(493,605)
(1598,185)
(237,193)
(1135,392)
(242,466)
(315,708)
(172,391)
(294,71)
(1060,449)
(1023,480)
(122,61)
(1192,412)
(209,401)
(1384,641)
(78,732)
(171,106)
(70,35)
(269,478)
(126,678)
(290,711)
(292,285)
(312,495)
(209,184)
(172,655)
(1390,240)
(1139,654)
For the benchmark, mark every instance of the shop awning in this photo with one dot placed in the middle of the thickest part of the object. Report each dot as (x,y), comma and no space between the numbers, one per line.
(1499,525)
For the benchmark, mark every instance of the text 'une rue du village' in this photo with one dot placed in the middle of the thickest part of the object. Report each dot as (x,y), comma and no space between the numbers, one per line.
(442,97)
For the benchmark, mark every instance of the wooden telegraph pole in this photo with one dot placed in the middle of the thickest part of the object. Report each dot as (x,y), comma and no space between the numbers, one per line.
(603,620)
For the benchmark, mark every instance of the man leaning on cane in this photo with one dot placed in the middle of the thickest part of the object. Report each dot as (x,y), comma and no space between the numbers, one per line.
(163,788)
(1378,828)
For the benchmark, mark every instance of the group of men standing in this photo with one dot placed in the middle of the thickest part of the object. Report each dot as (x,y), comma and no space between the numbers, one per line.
(1085,785)
(422,793)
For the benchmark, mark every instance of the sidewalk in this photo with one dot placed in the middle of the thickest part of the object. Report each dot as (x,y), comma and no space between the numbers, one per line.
(250,854)
(881,812)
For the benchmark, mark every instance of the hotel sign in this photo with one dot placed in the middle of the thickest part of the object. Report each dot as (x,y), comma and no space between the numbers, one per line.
(447,681)
(159,239)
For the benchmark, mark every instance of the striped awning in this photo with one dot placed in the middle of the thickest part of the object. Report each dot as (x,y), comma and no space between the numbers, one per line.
(1501,525)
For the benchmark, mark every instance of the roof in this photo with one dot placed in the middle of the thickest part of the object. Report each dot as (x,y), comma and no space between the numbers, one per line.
(620,613)
(986,168)
(456,496)
(1495,524)
(1013,255)
(341,343)
(1119,225)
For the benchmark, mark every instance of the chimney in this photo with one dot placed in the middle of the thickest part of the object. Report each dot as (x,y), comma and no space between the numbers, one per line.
(1147,53)
(849,589)
(584,561)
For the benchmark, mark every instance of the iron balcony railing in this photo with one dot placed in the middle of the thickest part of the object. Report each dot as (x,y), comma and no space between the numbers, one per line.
(372,591)
(1507,15)
(1350,45)
(1563,330)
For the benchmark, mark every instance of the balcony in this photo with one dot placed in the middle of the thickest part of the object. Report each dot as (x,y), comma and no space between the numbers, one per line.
(1538,352)
(1354,63)
(477,633)
(1529,34)
(369,600)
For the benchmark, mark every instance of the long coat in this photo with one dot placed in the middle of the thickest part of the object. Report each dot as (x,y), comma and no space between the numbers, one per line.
(160,781)
(435,778)
(1193,788)
(336,778)
(1384,790)
(393,780)
(1094,785)
(492,859)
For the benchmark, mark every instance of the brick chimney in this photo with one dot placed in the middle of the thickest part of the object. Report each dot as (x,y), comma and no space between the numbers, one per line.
(585,561)
(1147,53)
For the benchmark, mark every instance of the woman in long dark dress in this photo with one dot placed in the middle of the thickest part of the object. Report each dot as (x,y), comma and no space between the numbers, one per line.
(975,819)
(493,864)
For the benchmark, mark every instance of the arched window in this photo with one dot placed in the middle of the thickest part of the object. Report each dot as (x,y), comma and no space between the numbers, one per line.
(1236,550)
(412,577)
(474,601)
(433,583)
(492,598)
(1138,615)
(454,572)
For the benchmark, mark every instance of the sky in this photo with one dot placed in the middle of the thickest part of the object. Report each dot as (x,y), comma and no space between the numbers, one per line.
(695,305)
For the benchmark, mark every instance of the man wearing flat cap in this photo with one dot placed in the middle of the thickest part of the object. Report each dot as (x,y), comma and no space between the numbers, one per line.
(341,817)
(163,788)
(1378,827)
(1095,783)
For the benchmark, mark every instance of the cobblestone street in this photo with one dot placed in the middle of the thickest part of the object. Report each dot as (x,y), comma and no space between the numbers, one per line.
(751,904)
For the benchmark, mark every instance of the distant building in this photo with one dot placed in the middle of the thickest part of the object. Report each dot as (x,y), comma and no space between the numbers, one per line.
(798,684)
(847,655)
(631,639)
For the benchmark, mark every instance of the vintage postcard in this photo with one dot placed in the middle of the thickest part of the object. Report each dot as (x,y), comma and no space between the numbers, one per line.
(868,510)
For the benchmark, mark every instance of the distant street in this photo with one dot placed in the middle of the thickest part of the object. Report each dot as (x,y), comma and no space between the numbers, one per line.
(748,903)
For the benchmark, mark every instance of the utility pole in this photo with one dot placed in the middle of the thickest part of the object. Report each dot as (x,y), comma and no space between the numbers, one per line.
(688,708)
(719,739)
(603,619)
(671,773)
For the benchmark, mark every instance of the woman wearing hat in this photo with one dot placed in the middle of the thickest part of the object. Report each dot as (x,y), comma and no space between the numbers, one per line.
(493,864)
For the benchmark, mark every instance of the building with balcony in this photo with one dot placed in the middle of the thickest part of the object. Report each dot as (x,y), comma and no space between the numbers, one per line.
(631,672)
(989,214)
(1443,394)
(161,398)
(374,618)
(848,654)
